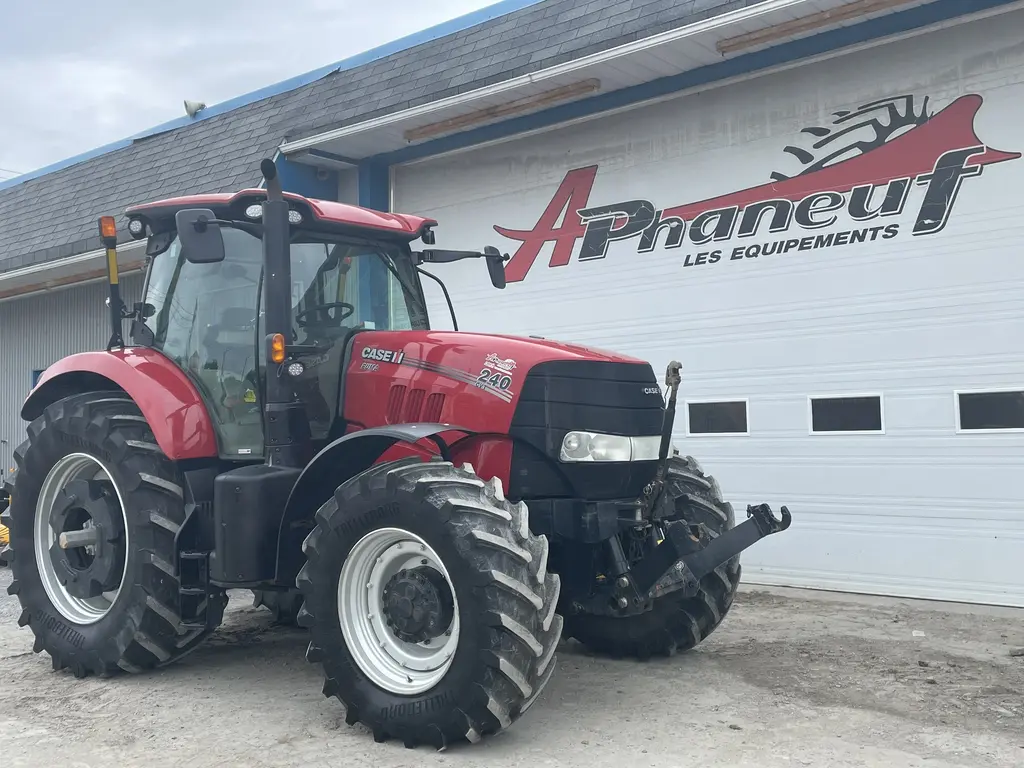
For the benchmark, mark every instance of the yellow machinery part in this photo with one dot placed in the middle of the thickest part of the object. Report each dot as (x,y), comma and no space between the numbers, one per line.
(5,533)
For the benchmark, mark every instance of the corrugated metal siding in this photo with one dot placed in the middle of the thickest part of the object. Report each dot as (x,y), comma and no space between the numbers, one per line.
(37,331)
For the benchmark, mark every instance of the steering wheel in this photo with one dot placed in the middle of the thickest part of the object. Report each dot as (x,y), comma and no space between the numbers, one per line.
(326,310)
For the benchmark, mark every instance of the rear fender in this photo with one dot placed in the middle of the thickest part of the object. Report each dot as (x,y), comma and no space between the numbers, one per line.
(170,402)
(345,458)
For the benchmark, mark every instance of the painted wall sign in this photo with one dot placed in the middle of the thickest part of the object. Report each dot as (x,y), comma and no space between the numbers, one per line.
(869,180)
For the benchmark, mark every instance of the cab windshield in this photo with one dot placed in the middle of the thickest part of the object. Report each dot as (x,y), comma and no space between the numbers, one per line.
(208,318)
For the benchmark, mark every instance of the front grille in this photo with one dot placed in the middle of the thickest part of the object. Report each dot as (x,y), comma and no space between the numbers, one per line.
(565,395)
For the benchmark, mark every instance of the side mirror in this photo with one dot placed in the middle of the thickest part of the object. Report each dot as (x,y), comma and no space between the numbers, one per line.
(495,261)
(495,266)
(202,242)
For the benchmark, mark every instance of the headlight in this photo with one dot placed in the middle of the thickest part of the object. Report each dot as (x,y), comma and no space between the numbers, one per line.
(591,446)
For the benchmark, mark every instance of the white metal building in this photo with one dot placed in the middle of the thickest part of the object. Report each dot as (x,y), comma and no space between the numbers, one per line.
(837,362)
(812,204)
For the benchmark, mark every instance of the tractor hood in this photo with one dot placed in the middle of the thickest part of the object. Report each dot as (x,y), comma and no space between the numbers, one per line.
(478,379)
(479,359)
(530,350)
(533,390)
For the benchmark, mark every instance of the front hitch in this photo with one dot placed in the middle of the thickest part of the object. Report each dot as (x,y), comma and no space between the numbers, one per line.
(687,554)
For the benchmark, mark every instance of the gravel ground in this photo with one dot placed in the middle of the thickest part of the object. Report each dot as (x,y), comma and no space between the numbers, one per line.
(791,679)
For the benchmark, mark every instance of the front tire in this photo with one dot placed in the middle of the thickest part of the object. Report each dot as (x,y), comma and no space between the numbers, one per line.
(675,622)
(496,634)
(91,462)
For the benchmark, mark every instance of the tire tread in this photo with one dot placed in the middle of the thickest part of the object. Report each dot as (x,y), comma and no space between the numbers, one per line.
(675,623)
(522,629)
(151,632)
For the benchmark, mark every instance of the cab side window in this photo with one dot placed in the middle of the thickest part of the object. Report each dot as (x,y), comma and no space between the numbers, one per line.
(204,318)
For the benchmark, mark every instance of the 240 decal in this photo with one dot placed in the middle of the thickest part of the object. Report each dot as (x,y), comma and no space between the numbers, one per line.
(496,379)
(496,372)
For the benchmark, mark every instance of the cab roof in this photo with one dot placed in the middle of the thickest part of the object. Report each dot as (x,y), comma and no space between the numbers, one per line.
(318,215)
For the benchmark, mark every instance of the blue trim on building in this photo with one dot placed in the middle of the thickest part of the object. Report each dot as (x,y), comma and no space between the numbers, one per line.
(502,8)
(374,185)
(374,192)
(903,21)
(305,180)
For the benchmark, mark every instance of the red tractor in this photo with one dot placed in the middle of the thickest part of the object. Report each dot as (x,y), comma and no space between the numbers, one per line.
(430,505)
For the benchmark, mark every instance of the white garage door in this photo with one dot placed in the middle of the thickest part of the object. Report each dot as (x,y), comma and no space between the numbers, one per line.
(833,253)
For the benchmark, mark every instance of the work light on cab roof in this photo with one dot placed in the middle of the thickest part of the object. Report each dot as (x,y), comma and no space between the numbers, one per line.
(438,508)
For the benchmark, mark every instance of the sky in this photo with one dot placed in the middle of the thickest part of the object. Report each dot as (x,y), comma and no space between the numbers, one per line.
(75,76)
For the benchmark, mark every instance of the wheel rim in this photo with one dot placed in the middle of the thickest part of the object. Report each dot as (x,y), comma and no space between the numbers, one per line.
(78,610)
(393,664)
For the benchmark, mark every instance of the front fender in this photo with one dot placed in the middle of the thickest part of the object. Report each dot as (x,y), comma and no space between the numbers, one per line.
(358,451)
(342,459)
(170,402)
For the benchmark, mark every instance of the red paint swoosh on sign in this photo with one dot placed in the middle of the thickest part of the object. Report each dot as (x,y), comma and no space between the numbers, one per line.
(913,153)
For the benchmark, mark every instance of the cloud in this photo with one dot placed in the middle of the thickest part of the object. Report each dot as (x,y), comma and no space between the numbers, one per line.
(87,74)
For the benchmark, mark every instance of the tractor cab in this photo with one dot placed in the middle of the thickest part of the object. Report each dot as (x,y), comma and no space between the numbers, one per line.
(209,316)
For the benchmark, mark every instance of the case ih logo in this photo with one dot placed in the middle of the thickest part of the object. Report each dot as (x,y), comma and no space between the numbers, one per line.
(870,179)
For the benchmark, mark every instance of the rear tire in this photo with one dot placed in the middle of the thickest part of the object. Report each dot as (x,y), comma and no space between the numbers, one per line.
(675,623)
(499,651)
(140,628)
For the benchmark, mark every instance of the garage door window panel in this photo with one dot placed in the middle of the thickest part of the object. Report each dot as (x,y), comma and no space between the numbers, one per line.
(857,414)
(993,410)
(708,418)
